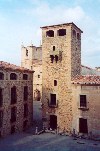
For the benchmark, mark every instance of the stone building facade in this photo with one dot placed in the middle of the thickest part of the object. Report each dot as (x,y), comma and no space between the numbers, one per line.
(16,99)
(68,105)
(31,58)
(70,91)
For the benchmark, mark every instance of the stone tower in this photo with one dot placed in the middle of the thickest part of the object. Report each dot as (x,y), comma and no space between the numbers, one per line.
(61,61)
(31,58)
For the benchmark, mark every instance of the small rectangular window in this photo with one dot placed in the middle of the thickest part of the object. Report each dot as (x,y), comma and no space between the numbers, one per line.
(55,82)
(52,99)
(38,76)
(83,102)
(53,48)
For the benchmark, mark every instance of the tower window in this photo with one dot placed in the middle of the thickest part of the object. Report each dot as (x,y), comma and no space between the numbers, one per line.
(53,48)
(78,36)
(13,76)
(13,95)
(26,52)
(56,58)
(55,82)
(1,97)
(50,33)
(74,33)
(1,76)
(83,102)
(38,76)
(25,77)
(52,58)
(61,32)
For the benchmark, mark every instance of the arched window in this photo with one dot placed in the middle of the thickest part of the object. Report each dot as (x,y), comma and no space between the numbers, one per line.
(13,95)
(13,76)
(1,76)
(1,97)
(25,77)
(53,48)
(50,33)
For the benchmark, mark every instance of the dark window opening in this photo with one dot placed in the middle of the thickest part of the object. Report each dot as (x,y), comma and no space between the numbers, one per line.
(83,102)
(1,76)
(25,110)
(13,129)
(52,99)
(25,77)
(1,97)
(13,76)
(13,95)
(38,76)
(55,82)
(78,36)
(25,93)
(1,118)
(83,128)
(50,33)
(25,124)
(13,114)
(26,52)
(74,33)
(61,32)
(53,122)
(56,58)
(37,95)
(53,48)
(52,58)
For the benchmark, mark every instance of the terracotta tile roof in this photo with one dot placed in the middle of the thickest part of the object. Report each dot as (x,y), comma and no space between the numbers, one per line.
(86,79)
(6,65)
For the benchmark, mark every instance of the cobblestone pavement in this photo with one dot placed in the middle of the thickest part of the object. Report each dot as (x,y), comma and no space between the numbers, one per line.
(46,142)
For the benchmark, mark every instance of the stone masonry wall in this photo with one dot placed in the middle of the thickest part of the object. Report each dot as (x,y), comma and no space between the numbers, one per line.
(62,71)
(93,108)
(6,85)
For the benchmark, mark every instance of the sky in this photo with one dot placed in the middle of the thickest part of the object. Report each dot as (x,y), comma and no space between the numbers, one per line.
(20,22)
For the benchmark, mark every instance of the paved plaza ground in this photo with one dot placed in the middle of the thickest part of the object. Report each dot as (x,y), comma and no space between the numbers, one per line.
(46,142)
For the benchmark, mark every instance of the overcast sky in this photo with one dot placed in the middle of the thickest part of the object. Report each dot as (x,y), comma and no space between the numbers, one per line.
(20,22)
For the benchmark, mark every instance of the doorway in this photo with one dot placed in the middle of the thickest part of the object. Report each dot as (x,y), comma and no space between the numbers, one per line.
(53,122)
(83,128)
